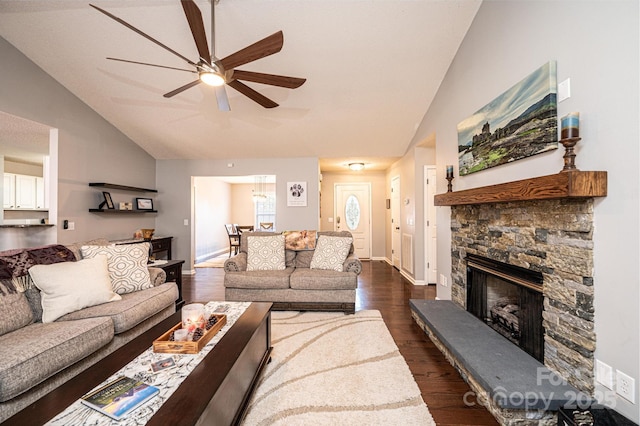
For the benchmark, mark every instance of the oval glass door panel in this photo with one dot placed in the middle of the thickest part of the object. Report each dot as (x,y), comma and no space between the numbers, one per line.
(352,212)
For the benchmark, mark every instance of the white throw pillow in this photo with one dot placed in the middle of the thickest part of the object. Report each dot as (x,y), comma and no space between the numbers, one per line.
(127,265)
(330,253)
(69,286)
(265,253)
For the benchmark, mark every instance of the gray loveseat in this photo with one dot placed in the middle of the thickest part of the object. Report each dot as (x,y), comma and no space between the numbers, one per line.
(37,357)
(297,287)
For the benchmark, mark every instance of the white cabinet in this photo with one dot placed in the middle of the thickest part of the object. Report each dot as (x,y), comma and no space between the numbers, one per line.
(23,192)
(9,190)
(41,202)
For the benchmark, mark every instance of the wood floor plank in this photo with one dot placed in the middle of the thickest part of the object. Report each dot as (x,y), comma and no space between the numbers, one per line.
(382,287)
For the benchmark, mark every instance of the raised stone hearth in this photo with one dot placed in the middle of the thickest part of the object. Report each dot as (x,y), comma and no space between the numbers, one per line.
(553,237)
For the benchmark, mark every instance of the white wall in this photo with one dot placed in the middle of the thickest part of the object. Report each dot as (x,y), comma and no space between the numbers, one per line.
(89,150)
(596,44)
(174,181)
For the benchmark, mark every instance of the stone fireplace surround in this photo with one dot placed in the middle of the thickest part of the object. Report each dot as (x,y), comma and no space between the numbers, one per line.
(553,237)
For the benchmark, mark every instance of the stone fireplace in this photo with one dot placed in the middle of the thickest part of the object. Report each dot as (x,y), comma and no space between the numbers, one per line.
(509,300)
(551,239)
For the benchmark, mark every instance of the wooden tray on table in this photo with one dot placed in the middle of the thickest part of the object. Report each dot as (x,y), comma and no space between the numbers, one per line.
(163,345)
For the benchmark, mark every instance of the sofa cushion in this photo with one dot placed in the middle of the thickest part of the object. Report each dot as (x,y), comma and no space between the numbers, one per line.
(303,259)
(338,234)
(31,354)
(69,286)
(75,247)
(265,253)
(127,265)
(331,252)
(15,311)
(316,279)
(247,234)
(258,279)
(132,309)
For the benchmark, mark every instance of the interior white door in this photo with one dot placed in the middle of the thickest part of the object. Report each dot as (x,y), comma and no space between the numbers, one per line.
(431,270)
(395,222)
(353,213)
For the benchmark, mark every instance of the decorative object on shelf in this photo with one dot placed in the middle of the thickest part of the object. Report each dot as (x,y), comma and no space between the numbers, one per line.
(147,234)
(107,201)
(449,178)
(144,204)
(570,136)
(505,129)
(126,206)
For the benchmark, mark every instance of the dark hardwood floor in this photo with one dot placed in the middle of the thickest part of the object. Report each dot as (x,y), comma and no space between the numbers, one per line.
(383,288)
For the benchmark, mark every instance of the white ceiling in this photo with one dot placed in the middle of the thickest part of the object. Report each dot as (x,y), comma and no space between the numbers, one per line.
(372,70)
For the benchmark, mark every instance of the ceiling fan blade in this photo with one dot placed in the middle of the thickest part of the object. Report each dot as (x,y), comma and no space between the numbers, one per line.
(181,89)
(151,65)
(194,17)
(272,79)
(252,94)
(148,37)
(260,49)
(221,97)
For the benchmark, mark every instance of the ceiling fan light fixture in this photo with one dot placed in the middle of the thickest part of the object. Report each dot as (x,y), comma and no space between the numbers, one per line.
(211,78)
(356,167)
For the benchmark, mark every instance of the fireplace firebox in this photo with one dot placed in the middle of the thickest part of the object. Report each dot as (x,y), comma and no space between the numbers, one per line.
(509,299)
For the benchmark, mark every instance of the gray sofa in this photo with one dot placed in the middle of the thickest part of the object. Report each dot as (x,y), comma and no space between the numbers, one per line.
(297,287)
(37,357)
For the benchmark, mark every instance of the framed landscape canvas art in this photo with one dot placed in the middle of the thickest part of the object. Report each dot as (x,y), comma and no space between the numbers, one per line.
(521,122)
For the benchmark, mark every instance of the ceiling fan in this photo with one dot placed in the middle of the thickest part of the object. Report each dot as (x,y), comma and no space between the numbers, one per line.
(218,72)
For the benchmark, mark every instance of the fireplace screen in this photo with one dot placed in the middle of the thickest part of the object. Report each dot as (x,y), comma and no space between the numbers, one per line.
(509,300)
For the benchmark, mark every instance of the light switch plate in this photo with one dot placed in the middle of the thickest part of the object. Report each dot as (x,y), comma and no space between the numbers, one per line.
(564,90)
(604,374)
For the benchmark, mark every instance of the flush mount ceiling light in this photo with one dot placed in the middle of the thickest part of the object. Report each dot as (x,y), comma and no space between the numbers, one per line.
(356,167)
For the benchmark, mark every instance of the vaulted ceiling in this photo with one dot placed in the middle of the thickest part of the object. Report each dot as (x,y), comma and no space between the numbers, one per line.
(372,70)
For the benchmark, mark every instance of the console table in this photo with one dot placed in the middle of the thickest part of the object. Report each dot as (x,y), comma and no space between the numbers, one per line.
(173,269)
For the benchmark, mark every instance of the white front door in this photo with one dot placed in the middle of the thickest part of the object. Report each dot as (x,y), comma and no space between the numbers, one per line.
(353,213)
(395,222)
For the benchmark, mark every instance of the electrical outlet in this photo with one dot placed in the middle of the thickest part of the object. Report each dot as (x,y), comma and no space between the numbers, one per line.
(625,386)
(604,374)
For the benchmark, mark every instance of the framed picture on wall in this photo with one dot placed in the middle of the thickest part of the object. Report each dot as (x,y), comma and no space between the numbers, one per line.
(296,194)
(108,201)
(144,204)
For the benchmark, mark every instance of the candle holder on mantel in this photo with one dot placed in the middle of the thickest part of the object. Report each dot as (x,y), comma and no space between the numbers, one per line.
(569,154)
(449,185)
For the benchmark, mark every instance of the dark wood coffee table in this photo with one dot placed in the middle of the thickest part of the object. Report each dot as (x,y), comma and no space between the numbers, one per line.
(215,393)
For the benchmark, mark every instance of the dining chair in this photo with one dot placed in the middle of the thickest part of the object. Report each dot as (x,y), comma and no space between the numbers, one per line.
(234,238)
(266,226)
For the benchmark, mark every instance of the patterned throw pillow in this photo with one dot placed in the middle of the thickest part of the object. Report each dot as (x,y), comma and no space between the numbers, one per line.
(127,265)
(15,312)
(299,240)
(265,253)
(331,252)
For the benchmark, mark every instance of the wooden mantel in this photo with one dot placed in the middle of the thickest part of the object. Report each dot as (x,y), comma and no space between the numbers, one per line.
(573,184)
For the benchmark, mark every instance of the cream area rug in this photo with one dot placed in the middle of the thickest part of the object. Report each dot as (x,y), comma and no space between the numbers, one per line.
(335,369)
